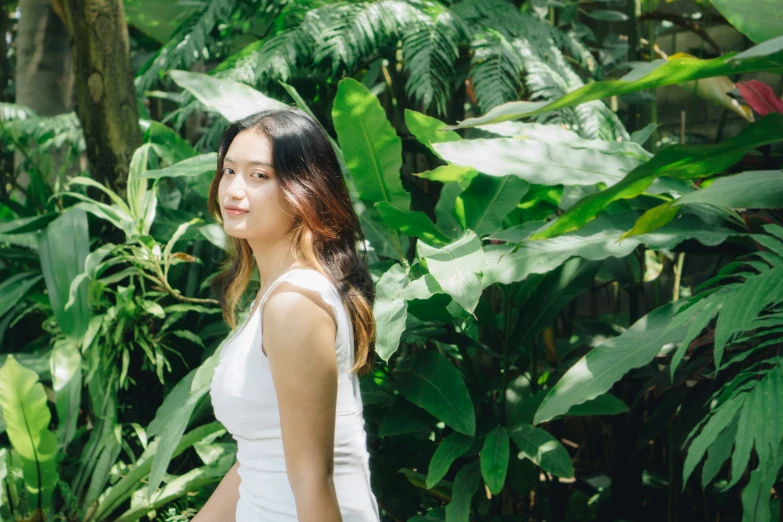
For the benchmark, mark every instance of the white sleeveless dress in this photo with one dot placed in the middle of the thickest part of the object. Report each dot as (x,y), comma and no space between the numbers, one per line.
(244,400)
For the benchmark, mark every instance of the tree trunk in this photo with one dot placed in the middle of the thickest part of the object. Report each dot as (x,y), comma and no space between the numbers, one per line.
(44,76)
(105,95)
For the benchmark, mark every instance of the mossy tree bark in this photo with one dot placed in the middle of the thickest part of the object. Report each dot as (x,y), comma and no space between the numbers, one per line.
(105,95)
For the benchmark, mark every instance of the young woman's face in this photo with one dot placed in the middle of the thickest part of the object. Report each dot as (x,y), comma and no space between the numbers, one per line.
(251,202)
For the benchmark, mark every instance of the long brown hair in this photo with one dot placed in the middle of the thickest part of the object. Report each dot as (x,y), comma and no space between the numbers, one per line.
(326,227)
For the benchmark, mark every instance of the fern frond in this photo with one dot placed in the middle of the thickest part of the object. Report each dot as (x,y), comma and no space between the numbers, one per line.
(496,69)
(430,49)
(354,31)
(188,43)
(547,74)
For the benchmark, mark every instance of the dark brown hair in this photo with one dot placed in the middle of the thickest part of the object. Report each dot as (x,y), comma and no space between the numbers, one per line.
(326,227)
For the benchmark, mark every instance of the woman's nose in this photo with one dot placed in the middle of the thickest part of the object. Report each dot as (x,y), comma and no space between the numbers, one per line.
(236,187)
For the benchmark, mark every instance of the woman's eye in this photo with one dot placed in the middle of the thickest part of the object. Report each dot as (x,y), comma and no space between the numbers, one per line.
(228,170)
(261,175)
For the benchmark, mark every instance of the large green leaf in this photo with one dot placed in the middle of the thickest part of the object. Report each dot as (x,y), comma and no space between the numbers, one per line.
(427,129)
(764,57)
(63,248)
(557,135)
(543,449)
(190,167)
(538,162)
(403,417)
(390,310)
(754,189)
(66,368)
(599,239)
(595,373)
(760,21)
(676,161)
(489,199)
(465,486)
(233,100)
(430,381)
(27,418)
(449,450)
(412,223)
(372,149)
(494,459)
(457,268)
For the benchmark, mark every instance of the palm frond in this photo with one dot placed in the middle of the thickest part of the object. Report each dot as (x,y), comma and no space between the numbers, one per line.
(189,42)
(430,49)
(354,31)
(496,69)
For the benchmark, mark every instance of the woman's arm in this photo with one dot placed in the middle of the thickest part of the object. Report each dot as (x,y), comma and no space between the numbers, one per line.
(299,340)
(222,504)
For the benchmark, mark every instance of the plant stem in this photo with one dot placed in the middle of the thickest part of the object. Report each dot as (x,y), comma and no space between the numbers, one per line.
(678,276)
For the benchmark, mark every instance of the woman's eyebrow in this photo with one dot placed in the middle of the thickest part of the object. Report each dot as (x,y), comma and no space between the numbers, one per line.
(261,163)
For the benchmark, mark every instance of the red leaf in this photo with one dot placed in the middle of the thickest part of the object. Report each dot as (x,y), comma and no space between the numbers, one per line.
(760,97)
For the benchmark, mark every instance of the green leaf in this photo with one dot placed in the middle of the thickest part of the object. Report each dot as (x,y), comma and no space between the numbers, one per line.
(403,417)
(676,161)
(595,373)
(755,189)
(128,485)
(233,100)
(717,454)
(430,381)
(14,288)
(488,200)
(190,167)
(427,129)
(756,495)
(759,21)
(606,404)
(722,418)
(494,459)
(173,416)
(412,223)
(372,149)
(457,268)
(551,295)
(466,484)
(599,239)
(66,369)
(30,224)
(390,311)
(63,248)
(747,302)
(764,57)
(557,135)
(449,173)
(538,162)
(27,418)
(543,449)
(449,450)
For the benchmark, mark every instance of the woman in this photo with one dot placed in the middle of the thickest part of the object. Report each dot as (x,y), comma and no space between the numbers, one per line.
(286,385)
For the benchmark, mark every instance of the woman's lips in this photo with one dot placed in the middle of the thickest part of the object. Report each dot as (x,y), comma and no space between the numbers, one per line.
(235,212)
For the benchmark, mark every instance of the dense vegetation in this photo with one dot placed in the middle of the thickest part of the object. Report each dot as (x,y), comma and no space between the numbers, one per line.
(578,319)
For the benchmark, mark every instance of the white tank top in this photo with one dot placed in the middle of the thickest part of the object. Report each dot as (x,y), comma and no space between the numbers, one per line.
(244,400)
